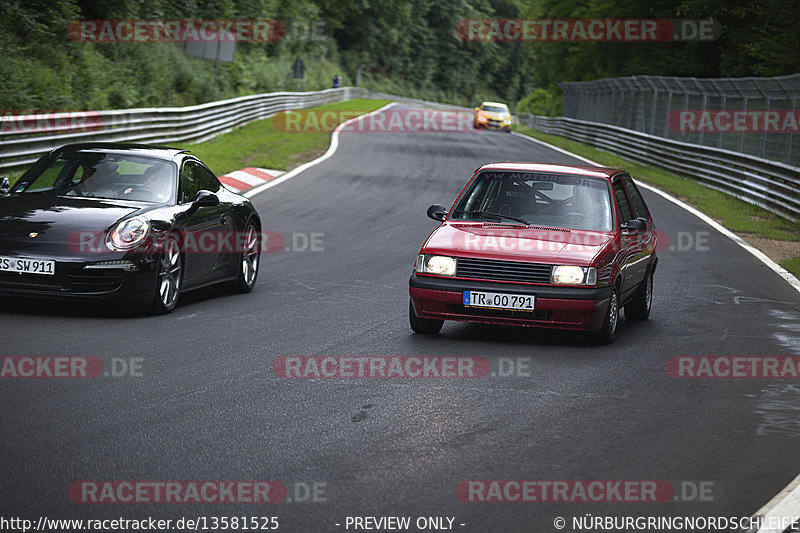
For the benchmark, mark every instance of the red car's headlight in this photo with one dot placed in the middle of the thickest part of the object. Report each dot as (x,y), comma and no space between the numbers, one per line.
(573,275)
(439,265)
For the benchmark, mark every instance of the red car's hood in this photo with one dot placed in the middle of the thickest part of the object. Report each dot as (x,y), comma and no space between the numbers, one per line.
(517,243)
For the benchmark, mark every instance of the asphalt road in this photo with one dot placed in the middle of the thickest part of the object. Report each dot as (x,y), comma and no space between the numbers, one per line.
(209,407)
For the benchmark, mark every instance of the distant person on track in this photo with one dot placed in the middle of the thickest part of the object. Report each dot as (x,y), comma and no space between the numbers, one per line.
(336,81)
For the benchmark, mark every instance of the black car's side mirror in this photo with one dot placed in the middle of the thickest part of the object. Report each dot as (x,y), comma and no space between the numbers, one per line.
(637,224)
(206,199)
(437,212)
(4,186)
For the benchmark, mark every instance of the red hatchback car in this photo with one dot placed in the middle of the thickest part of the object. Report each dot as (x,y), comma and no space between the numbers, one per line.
(538,245)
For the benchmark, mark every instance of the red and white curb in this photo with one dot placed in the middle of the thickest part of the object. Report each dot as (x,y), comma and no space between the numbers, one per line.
(247,178)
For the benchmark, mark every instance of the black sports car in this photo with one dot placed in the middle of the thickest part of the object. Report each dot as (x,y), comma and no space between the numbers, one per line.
(133,222)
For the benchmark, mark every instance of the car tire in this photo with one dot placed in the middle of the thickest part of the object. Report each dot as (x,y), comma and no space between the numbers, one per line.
(608,332)
(169,277)
(248,262)
(424,326)
(639,307)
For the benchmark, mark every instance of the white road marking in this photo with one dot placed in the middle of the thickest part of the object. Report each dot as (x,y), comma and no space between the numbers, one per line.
(784,505)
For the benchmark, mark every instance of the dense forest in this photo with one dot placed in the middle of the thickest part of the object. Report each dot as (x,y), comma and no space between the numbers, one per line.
(406,47)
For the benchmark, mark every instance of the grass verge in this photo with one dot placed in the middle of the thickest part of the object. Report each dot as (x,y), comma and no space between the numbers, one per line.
(262,144)
(775,236)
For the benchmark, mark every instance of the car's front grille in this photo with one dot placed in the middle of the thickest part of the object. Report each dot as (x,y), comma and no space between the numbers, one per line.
(68,278)
(17,280)
(502,270)
(93,280)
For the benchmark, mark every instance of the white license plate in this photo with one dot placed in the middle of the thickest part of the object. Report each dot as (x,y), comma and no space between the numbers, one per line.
(27,265)
(499,300)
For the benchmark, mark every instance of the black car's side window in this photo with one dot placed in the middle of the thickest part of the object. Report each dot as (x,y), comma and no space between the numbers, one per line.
(190,182)
(622,202)
(208,181)
(196,178)
(639,207)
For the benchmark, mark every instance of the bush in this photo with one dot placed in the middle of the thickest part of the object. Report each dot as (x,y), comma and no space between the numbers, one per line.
(546,102)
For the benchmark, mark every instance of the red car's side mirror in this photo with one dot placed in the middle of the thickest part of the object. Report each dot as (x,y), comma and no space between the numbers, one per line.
(437,212)
(637,224)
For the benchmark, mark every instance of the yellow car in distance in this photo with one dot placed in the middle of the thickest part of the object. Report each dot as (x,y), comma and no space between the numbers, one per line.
(493,116)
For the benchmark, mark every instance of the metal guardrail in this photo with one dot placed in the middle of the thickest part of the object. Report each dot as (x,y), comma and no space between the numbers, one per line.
(20,147)
(769,184)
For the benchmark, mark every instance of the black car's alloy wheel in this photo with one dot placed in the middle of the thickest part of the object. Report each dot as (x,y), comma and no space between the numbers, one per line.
(249,261)
(169,277)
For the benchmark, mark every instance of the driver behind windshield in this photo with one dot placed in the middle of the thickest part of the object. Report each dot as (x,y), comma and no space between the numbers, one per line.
(98,181)
(154,186)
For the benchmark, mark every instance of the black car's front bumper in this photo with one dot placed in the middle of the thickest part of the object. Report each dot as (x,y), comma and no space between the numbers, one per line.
(73,281)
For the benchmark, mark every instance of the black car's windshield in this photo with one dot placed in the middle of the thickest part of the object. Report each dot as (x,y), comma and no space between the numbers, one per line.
(101,175)
(553,200)
(495,109)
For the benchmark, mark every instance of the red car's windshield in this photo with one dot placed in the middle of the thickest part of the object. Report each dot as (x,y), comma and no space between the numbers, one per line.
(554,200)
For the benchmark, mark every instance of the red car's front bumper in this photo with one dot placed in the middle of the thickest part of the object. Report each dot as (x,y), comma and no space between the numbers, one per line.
(575,308)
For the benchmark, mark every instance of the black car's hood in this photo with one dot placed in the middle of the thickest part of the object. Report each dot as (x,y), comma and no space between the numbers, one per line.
(57,219)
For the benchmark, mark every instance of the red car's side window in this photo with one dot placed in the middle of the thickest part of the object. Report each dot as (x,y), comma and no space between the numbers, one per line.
(622,202)
(637,202)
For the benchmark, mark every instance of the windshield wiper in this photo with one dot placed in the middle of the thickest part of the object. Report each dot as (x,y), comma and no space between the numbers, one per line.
(498,216)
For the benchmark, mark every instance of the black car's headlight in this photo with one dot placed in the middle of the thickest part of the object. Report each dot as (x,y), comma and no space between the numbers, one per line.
(439,265)
(128,233)
(573,275)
